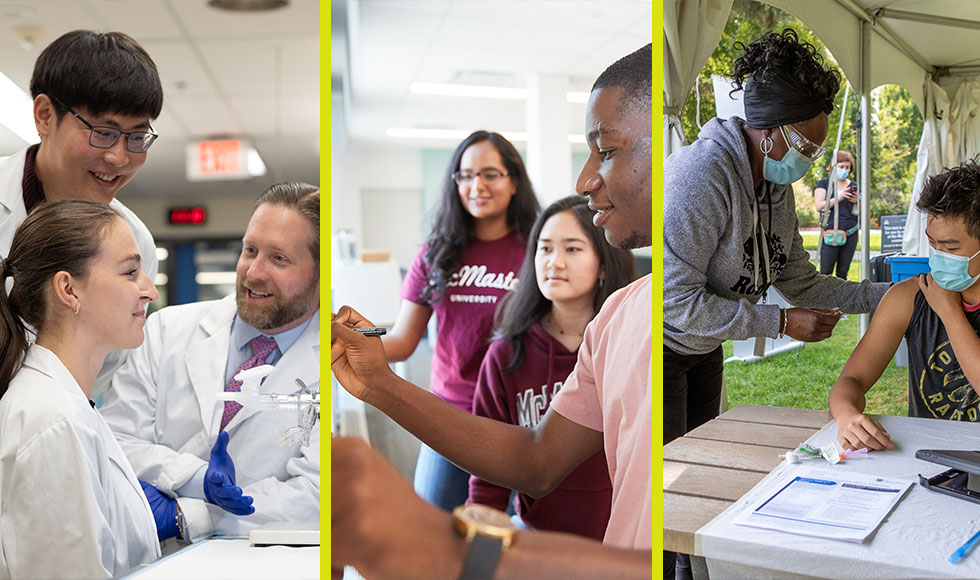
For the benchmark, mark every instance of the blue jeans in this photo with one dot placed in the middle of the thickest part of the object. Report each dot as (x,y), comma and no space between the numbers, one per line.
(439,481)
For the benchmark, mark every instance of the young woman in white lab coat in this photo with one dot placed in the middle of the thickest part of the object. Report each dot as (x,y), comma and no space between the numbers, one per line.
(70,504)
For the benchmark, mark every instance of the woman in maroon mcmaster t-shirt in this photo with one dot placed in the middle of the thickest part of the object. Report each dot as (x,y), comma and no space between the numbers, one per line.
(470,260)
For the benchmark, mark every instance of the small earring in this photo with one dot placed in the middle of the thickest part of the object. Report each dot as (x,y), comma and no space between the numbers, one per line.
(75,310)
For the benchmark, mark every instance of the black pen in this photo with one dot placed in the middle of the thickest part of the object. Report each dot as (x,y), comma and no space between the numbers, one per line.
(372,331)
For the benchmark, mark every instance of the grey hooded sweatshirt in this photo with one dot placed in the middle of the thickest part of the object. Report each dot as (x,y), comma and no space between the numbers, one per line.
(715,269)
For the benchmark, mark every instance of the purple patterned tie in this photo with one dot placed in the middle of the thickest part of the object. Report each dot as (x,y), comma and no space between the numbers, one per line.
(262,347)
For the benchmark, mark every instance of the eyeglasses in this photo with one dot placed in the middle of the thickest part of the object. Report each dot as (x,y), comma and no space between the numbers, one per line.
(804,146)
(106,137)
(487,175)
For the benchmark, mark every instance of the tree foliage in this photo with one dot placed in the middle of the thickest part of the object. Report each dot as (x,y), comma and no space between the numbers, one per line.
(896,124)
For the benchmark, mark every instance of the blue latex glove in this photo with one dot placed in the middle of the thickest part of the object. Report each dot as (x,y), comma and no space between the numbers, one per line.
(164,511)
(219,481)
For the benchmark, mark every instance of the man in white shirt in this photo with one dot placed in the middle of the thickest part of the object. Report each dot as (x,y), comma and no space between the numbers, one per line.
(95,94)
(164,408)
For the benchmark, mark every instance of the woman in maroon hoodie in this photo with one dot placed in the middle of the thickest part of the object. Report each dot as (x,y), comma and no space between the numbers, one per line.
(538,329)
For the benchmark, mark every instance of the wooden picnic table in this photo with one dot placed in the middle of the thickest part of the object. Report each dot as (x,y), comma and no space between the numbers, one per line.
(711,467)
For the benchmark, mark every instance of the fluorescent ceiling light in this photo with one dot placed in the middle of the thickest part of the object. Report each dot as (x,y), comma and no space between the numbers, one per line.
(451,90)
(448,134)
(482,92)
(456,135)
(17,110)
(214,278)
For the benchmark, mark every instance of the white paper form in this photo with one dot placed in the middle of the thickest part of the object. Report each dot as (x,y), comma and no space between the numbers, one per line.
(912,543)
(827,504)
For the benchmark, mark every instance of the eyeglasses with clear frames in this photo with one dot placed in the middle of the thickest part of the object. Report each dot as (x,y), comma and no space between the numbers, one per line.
(105,137)
(489,176)
(804,146)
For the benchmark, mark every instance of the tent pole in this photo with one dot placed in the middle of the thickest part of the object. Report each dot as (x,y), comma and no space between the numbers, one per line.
(865,178)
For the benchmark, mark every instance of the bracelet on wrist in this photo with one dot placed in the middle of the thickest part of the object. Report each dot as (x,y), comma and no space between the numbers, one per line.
(782,323)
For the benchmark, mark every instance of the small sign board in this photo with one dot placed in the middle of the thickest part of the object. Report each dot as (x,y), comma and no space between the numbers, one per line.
(183,216)
(892,229)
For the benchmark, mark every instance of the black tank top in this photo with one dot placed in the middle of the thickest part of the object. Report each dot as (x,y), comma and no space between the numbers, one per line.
(937,386)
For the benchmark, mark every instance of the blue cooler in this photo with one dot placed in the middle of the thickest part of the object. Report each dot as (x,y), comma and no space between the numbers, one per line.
(903,268)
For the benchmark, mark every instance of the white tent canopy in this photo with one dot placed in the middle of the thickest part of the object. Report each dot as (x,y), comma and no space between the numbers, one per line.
(931,48)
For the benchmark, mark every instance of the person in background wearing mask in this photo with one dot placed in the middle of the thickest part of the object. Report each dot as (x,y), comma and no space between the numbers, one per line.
(842,214)
(730,230)
(938,314)
(182,441)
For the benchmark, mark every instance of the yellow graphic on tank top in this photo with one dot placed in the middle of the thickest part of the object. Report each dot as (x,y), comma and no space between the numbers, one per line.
(955,400)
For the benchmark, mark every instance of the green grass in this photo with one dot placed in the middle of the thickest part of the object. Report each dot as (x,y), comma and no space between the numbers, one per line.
(802,378)
(812,237)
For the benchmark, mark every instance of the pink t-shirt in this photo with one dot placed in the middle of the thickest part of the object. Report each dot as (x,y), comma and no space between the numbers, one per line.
(464,314)
(610,391)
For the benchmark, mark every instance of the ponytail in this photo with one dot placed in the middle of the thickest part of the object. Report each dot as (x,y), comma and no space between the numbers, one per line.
(61,236)
(13,333)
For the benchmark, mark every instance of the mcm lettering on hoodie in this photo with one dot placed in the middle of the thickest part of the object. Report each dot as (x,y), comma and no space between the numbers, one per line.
(725,244)
(581,503)
(464,314)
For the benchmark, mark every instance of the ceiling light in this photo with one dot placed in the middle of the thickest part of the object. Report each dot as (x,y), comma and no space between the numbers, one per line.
(451,90)
(457,135)
(484,92)
(248,5)
(447,134)
(214,278)
(16,110)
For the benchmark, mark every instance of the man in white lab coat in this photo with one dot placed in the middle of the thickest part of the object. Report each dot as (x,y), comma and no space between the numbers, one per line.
(163,405)
(94,97)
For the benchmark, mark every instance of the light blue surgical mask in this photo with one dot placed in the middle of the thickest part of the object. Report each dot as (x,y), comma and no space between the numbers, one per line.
(792,167)
(950,271)
(843,173)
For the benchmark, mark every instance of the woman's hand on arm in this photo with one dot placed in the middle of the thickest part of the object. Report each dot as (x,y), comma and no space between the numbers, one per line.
(864,367)
(403,338)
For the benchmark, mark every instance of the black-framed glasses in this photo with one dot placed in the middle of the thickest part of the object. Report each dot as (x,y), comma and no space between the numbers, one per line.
(105,137)
(804,146)
(487,175)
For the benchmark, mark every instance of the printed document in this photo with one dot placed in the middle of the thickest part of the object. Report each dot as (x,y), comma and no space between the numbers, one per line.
(825,503)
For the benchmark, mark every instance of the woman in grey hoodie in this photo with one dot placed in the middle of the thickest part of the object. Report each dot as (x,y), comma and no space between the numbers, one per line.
(730,229)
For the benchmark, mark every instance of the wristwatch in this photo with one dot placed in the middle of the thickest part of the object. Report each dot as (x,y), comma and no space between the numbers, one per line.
(488,532)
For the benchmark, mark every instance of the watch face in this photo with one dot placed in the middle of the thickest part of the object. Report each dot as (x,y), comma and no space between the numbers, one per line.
(485,515)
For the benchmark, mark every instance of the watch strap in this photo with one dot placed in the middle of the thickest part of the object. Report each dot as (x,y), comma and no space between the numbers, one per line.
(481,558)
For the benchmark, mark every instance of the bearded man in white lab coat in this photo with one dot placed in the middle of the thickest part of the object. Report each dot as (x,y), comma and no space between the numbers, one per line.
(95,94)
(163,405)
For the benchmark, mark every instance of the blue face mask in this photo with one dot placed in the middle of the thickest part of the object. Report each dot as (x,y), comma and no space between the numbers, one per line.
(792,167)
(950,271)
(843,173)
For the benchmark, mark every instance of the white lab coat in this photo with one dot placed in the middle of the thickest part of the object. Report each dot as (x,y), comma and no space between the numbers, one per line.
(13,212)
(163,409)
(70,504)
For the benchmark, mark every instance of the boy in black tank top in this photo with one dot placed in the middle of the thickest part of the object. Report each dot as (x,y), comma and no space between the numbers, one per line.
(939,315)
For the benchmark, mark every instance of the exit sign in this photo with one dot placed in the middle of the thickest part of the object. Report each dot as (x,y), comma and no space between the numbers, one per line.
(224,159)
